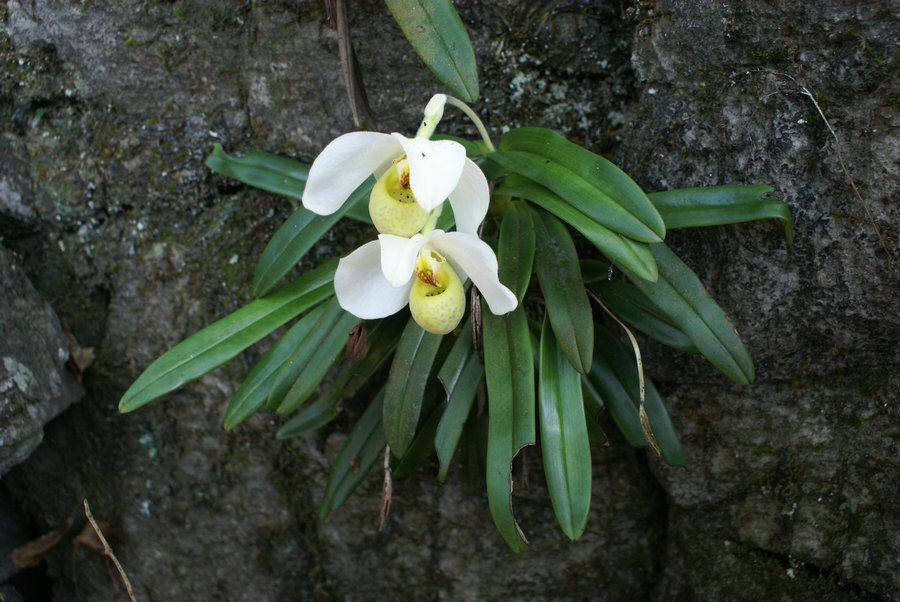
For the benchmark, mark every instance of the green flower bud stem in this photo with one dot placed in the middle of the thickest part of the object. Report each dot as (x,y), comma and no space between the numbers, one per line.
(432,219)
(471,115)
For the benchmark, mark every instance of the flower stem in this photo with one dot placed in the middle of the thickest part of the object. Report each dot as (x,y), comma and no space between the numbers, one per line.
(432,219)
(471,115)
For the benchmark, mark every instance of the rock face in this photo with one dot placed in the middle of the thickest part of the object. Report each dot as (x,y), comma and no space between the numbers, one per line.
(34,383)
(108,110)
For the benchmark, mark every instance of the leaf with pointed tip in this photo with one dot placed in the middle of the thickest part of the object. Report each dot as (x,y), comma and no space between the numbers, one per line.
(717,205)
(381,341)
(460,375)
(313,416)
(681,296)
(564,439)
(279,175)
(509,372)
(309,360)
(558,270)
(634,307)
(438,36)
(254,391)
(359,453)
(219,342)
(614,376)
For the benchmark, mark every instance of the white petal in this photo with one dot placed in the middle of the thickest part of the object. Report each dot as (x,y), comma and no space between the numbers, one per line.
(434,168)
(343,165)
(398,256)
(479,262)
(362,289)
(470,198)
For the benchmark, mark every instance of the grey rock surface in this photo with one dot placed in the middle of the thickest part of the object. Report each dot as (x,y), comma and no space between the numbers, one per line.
(108,111)
(35,385)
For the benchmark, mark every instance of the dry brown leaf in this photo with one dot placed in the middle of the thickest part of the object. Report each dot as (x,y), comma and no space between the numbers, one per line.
(357,343)
(79,357)
(33,552)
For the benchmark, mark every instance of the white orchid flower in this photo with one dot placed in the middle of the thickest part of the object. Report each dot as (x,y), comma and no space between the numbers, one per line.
(415,176)
(425,271)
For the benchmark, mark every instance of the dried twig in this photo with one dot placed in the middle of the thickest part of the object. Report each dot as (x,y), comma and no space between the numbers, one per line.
(387,490)
(108,551)
(353,82)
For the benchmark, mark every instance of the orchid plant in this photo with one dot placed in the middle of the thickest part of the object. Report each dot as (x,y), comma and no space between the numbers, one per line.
(537,349)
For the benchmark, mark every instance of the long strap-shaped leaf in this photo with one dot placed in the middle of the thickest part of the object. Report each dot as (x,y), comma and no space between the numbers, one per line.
(460,374)
(224,339)
(360,451)
(716,205)
(635,256)
(314,332)
(302,229)
(559,273)
(381,342)
(406,385)
(436,32)
(631,305)
(509,372)
(296,237)
(516,248)
(615,377)
(587,181)
(254,391)
(679,293)
(262,170)
(564,439)
(323,352)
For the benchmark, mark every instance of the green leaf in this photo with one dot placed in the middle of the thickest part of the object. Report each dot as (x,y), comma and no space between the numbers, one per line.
(594,270)
(509,372)
(224,339)
(382,337)
(559,273)
(296,237)
(473,452)
(631,305)
(406,385)
(680,295)
(254,391)
(587,181)
(620,367)
(359,453)
(635,256)
(313,416)
(460,375)
(262,170)
(564,439)
(716,205)
(381,340)
(603,389)
(437,34)
(515,250)
(322,354)
(303,371)
(422,445)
